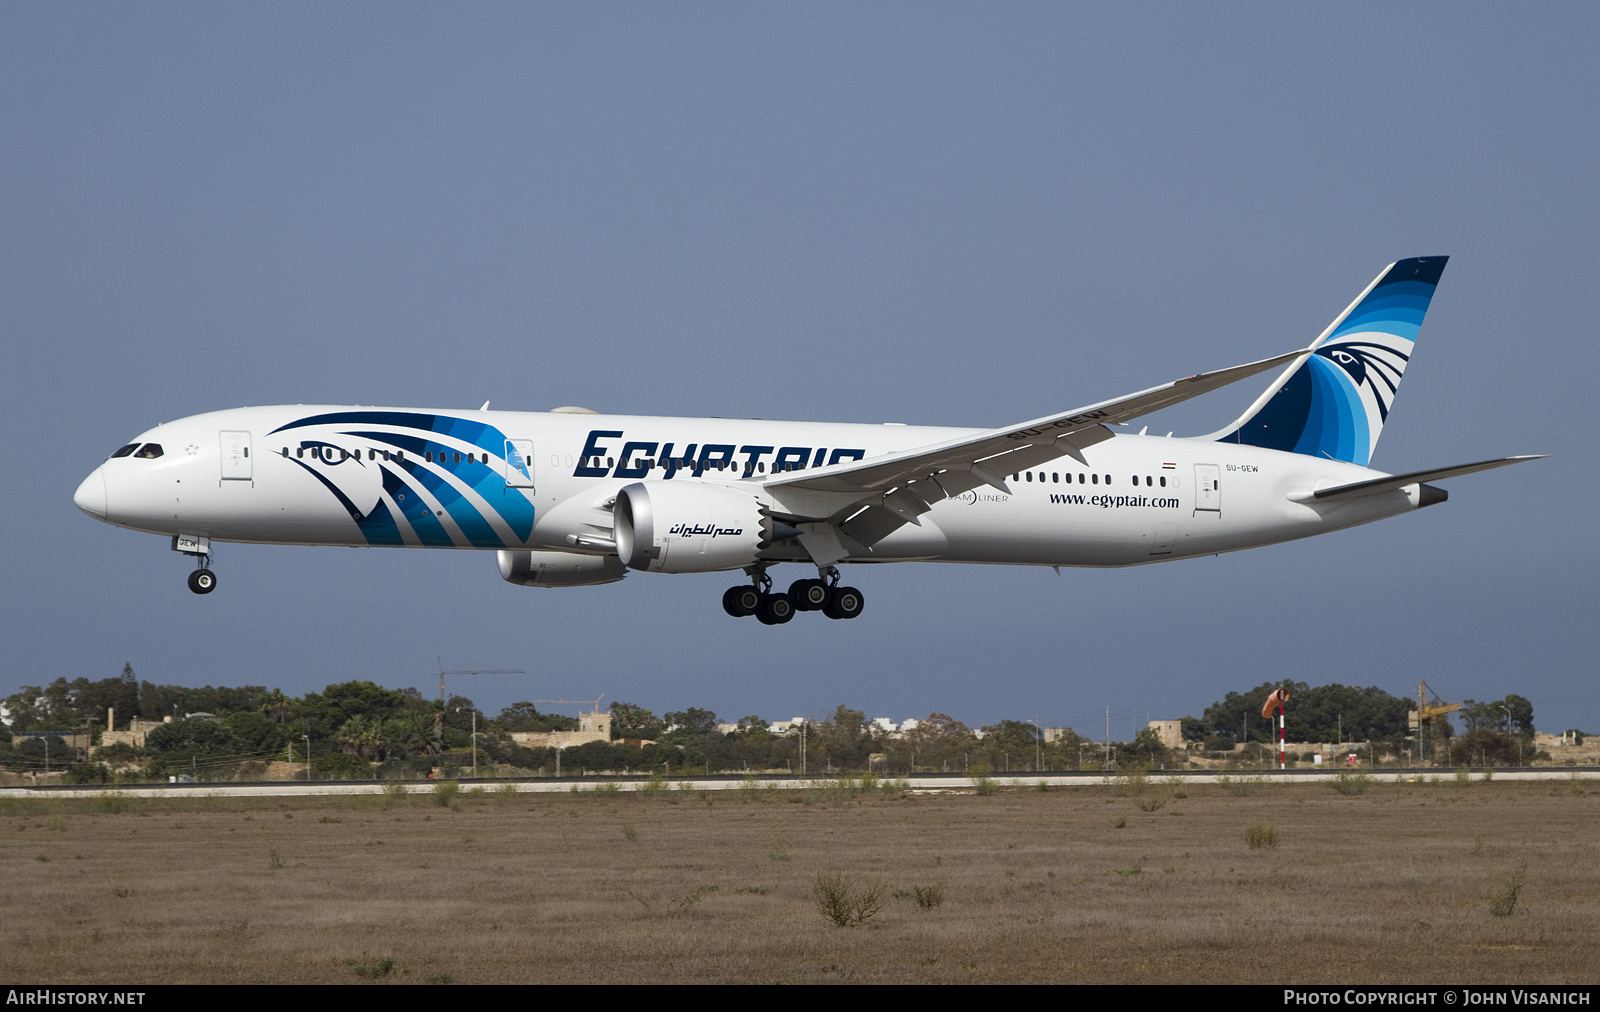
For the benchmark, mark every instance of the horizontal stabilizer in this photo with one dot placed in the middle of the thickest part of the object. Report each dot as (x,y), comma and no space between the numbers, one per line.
(1398,481)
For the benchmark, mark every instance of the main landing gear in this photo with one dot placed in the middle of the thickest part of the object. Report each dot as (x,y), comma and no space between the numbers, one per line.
(824,595)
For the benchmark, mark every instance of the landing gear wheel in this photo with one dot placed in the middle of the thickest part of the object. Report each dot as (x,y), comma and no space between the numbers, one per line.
(844,602)
(776,609)
(809,595)
(741,601)
(202,581)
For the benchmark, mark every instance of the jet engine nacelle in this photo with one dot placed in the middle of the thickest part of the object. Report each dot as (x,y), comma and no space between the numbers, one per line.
(559,569)
(688,527)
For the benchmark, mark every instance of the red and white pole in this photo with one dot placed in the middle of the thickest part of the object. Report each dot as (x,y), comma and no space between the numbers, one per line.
(1279,697)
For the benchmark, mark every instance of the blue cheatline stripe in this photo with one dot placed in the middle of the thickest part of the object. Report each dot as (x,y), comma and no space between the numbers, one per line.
(473,526)
(416,511)
(380,528)
(487,481)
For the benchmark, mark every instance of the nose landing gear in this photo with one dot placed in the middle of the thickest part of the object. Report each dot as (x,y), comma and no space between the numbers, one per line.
(823,594)
(202,580)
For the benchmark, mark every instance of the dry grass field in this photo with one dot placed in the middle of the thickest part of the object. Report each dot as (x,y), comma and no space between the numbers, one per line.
(1135,883)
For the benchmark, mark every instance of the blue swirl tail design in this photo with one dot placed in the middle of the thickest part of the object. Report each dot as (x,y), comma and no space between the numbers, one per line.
(1334,402)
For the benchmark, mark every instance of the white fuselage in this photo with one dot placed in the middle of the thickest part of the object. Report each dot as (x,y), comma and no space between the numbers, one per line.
(451,479)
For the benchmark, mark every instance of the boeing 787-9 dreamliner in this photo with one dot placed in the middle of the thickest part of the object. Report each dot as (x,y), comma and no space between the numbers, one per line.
(571,498)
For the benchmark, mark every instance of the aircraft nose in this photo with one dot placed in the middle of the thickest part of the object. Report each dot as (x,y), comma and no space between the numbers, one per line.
(91,495)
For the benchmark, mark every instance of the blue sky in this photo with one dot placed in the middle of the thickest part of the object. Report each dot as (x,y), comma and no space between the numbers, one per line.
(942,214)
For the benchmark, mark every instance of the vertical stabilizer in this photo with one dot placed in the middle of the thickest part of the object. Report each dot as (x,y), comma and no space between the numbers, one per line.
(1333,403)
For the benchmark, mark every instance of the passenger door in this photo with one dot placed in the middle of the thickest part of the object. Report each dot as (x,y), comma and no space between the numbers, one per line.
(235,456)
(519,463)
(1208,487)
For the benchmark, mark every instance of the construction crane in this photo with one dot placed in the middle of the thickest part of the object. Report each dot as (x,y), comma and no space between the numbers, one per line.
(469,671)
(1424,720)
(438,717)
(595,703)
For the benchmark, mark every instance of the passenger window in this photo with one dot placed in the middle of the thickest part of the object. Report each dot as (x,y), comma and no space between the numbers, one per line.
(427,455)
(286,451)
(149,451)
(1055,478)
(1030,475)
(457,459)
(125,451)
(1108,479)
(1163,481)
(1096,478)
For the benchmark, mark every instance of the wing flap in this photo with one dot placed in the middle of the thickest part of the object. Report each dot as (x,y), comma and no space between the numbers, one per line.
(983,459)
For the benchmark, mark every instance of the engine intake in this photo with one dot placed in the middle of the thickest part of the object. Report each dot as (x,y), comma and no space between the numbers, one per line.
(688,527)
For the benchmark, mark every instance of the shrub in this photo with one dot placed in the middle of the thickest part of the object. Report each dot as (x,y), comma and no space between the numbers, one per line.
(982,782)
(1261,834)
(777,846)
(444,792)
(839,900)
(370,970)
(928,896)
(341,766)
(87,773)
(1242,786)
(1502,903)
(1351,782)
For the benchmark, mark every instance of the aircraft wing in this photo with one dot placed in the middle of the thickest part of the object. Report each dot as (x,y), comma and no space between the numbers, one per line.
(897,488)
(1398,481)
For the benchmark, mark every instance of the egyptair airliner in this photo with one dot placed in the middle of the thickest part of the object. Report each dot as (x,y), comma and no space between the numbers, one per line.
(571,498)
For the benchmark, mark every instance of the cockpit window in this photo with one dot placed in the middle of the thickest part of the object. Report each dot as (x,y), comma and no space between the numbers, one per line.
(149,451)
(125,450)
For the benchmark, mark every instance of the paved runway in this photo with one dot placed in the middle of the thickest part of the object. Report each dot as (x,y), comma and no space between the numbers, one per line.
(918,782)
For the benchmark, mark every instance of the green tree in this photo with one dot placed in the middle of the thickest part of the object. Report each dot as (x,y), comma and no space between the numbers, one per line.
(629,721)
(255,731)
(524,716)
(1011,744)
(694,720)
(193,736)
(1323,713)
(938,742)
(1512,715)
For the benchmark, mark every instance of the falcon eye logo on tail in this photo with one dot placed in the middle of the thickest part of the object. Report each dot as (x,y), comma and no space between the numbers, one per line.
(1372,365)
(1334,403)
